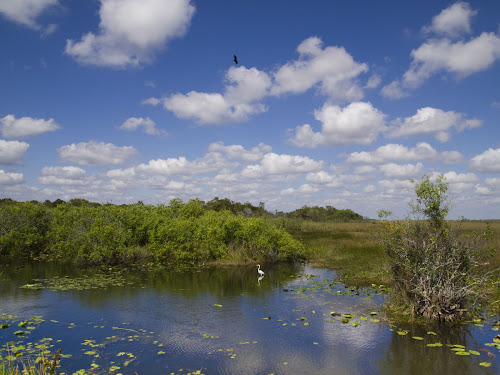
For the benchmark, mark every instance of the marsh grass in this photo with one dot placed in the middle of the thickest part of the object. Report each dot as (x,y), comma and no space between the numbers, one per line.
(351,248)
(42,365)
(354,250)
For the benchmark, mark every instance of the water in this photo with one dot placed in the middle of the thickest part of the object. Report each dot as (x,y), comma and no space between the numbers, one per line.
(227,321)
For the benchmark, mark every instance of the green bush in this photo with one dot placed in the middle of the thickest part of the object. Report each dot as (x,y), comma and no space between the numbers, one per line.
(187,233)
(23,229)
(437,271)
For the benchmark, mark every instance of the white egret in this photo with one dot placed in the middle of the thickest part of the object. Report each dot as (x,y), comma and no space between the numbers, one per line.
(260,271)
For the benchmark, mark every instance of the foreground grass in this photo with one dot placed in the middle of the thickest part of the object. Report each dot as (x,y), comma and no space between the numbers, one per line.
(354,250)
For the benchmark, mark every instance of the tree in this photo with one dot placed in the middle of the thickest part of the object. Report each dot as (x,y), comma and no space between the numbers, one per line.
(437,271)
(382,214)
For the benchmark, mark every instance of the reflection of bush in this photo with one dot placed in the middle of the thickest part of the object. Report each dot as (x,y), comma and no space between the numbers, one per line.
(182,232)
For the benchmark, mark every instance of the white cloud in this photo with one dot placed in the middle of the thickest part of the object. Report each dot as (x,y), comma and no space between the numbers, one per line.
(433,121)
(453,177)
(94,153)
(393,170)
(364,169)
(458,182)
(7,178)
(238,152)
(393,90)
(25,126)
(373,82)
(453,20)
(394,152)
(274,164)
(320,178)
(25,12)
(451,157)
(151,101)
(245,87)
(303,189)
(488,161)
(149,126)
(359,122)
(11,152)
(132,31)
(66,176)
(396,186)
(210,163)
(460,58)
(331,69)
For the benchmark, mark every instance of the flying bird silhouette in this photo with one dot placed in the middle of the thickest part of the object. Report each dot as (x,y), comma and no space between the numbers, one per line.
(235,59)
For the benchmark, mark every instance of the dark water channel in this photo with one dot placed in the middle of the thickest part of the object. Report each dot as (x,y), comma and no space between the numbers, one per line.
(225,321)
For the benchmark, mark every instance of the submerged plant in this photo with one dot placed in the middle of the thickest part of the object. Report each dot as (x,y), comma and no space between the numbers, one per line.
(437,271)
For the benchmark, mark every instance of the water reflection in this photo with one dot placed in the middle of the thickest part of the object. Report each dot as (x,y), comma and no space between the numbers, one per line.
(226,321)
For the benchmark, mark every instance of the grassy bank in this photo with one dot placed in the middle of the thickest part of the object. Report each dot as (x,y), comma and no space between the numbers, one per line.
(354,250)
(351,248)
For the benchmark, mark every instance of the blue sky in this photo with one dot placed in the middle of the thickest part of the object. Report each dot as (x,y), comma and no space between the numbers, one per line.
(335,103)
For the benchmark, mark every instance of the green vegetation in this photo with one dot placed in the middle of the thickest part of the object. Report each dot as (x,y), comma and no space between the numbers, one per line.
(329,214)
(351,248)
(437,271)
(188,233)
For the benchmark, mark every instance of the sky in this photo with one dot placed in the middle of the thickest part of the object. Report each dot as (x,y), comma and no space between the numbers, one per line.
(338,103)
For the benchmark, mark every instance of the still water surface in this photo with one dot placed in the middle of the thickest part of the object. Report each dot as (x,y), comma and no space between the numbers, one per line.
(227,321)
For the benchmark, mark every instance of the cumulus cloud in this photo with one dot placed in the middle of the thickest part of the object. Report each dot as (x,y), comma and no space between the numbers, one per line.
(245,87)
(275,165)
(452,21)
(359,122)
(399,171)
(25,12)
(461,58)
(7,178)
(11,152)
(488,161)
(97,153)
(320,178)
(394,152)
(238,152)
(303,189)
(66,176)
(432,121)
(332,70)
(181,166)
(149,126)
(25,126)
(131,32)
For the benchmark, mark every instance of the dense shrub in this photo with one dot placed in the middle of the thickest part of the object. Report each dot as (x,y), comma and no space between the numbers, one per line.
(181,232)
(323,214)
(23,229)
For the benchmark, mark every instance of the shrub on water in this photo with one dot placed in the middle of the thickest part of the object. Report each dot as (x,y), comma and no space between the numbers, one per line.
(437,270)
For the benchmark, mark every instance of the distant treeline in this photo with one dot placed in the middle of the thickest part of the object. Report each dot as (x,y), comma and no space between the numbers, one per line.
(314,213)
(188,233)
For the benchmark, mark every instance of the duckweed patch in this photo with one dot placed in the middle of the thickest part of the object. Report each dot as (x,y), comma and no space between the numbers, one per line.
(98,280)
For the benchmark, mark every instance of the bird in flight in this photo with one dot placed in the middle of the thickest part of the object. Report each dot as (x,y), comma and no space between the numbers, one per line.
(235,59)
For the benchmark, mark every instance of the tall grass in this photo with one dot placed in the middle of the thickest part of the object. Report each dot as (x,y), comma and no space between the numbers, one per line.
(351,248)
(42,365)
